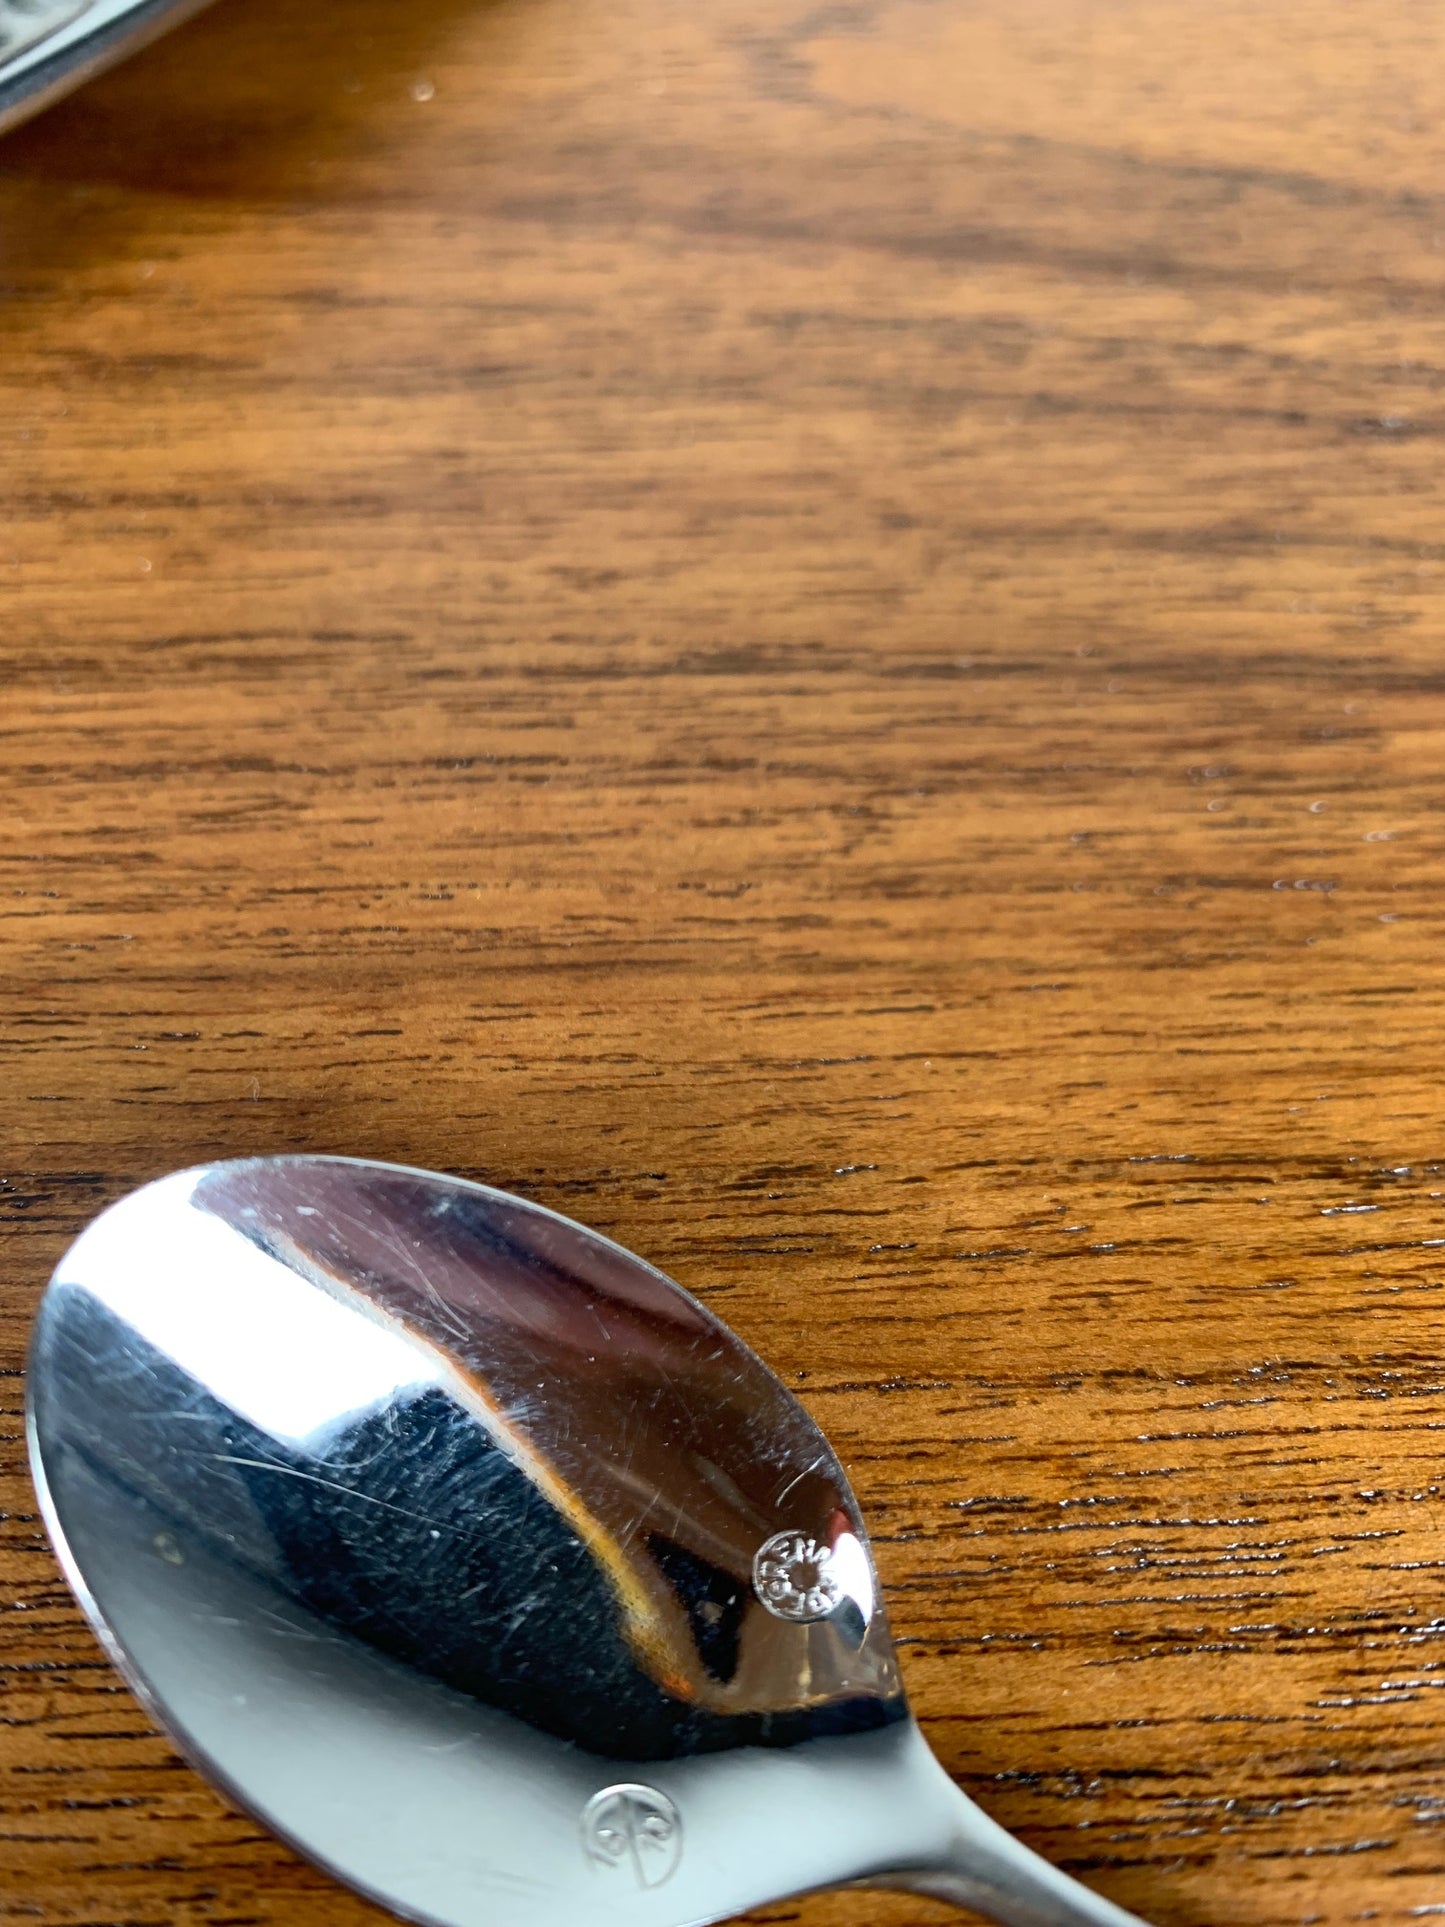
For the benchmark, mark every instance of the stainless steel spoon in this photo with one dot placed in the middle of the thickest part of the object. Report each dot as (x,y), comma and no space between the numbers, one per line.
(49,46)
(482,1563)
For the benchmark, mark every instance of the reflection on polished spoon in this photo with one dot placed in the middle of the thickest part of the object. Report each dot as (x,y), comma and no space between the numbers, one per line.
(482,1563)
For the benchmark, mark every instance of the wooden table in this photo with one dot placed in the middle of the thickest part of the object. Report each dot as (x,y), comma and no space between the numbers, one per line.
(814,635)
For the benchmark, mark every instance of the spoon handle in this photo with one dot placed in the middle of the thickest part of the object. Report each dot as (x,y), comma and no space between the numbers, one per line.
(981,1866)
(49,46)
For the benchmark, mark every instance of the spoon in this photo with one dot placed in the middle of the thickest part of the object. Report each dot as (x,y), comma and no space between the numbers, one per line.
(482,1563)
(49,46)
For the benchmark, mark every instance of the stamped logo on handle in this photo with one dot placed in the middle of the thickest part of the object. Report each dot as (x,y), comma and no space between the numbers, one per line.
(633,1827)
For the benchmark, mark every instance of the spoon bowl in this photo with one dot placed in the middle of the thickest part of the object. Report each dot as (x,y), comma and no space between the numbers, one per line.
(482,1563)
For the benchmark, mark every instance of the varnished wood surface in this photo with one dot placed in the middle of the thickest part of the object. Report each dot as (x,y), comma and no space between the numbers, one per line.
(813,634)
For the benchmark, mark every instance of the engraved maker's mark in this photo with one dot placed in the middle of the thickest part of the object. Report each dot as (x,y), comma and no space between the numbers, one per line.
(793,1576)
(635,1827)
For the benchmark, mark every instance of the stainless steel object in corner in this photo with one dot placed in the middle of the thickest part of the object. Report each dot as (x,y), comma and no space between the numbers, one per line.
(49,46)
(482,1563)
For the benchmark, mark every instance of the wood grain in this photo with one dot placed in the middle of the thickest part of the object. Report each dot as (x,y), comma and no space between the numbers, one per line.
(814,635)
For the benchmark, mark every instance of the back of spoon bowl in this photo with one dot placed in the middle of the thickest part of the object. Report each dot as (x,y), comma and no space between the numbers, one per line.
(481,1562)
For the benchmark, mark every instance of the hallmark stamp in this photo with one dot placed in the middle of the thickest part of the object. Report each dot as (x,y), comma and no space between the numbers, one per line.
(635,1827)
(793,1576)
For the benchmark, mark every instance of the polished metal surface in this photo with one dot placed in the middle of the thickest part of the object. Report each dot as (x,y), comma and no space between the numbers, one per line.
(482,1562)
(24,23)
(48,47)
